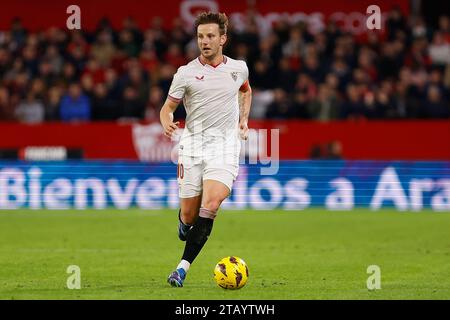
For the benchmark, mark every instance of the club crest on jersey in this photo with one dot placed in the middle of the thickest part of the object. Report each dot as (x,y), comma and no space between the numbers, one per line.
(234,75)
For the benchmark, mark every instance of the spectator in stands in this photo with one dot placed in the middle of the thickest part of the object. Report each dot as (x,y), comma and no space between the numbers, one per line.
(435,106)
(241,52)
(128,44)
(316,152)
(353,107)
(130,25)
(77,57)
(103,49)
(419,29)
(30,110)
(286,76)
(19,87)
(30,59)
(282,30)
(281,107)
(361,78)
(269,51)
(75,105)
(325,106)
(155,40)
(150,63)
(371,107)
(112,85)
(418,56)
(342,71)
(133,108)
(45,73)
(53,103)
(334,151)
(69,74)
(306,86)
(18,32)
(366,63)
(94,70)
(321,45)
(384,108)
(250,35)
(444,27)
(435,78)
(332,81)
(395,22)
(312,68)
(178,33)
(57,37)
(388,66)
(78,50)
(103,106)
(54,58)
(301,106)
(165,77)
(261,99)
(261,77)
(439,50)
(296,42)
(174,56)
(6,107)
(155,101)
(11,74)
(87,85)
(137,79)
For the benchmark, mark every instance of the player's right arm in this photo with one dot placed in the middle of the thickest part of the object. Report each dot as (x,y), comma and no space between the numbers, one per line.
(176,93)
(166,117)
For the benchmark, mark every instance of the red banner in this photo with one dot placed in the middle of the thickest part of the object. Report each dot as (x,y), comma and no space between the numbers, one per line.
(350,14)
(376,140)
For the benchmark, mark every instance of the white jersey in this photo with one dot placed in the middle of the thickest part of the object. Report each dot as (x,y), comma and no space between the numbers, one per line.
(210,96)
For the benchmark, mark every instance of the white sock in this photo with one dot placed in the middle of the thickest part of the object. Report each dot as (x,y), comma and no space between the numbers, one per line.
(184,264)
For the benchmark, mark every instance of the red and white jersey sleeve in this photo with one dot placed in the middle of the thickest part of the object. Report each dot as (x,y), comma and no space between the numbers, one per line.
(178,86)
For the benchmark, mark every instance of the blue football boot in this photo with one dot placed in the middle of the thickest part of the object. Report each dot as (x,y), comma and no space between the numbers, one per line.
(177,277)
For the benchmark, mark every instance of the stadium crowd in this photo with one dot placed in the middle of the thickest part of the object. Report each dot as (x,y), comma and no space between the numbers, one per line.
(108,74)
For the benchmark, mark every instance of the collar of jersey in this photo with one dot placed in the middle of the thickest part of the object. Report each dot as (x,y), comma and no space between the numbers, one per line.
(224,61)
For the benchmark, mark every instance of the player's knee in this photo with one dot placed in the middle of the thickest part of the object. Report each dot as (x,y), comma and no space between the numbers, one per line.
(189,215)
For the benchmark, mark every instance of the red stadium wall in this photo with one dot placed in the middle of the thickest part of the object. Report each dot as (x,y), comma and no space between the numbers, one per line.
(388,140)
(42,14)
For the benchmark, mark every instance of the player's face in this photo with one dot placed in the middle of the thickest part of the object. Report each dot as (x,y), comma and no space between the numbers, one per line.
(209,40)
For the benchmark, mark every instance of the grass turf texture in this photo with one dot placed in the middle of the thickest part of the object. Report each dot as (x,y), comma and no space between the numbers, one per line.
(312,254)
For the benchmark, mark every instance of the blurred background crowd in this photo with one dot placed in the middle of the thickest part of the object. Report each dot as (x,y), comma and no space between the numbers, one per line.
(110,74)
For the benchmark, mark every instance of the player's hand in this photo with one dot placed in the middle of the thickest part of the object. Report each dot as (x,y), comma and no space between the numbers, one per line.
(243,130)
(170,128)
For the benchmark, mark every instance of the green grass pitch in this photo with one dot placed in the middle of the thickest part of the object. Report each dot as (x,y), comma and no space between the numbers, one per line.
(312,254)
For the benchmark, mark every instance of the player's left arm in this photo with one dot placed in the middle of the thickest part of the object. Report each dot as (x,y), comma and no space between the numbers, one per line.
(245,102)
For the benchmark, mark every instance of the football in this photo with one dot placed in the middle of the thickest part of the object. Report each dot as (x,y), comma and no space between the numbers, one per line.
(231,273)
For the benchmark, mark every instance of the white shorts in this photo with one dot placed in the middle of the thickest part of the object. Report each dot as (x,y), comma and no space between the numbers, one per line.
(192,171)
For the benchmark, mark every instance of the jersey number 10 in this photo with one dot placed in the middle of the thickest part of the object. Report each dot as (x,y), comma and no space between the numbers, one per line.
(180,171)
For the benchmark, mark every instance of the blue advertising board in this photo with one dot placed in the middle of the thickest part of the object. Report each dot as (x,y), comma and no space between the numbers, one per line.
(295,185)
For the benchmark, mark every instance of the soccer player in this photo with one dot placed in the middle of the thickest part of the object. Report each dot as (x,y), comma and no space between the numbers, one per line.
(217,97)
